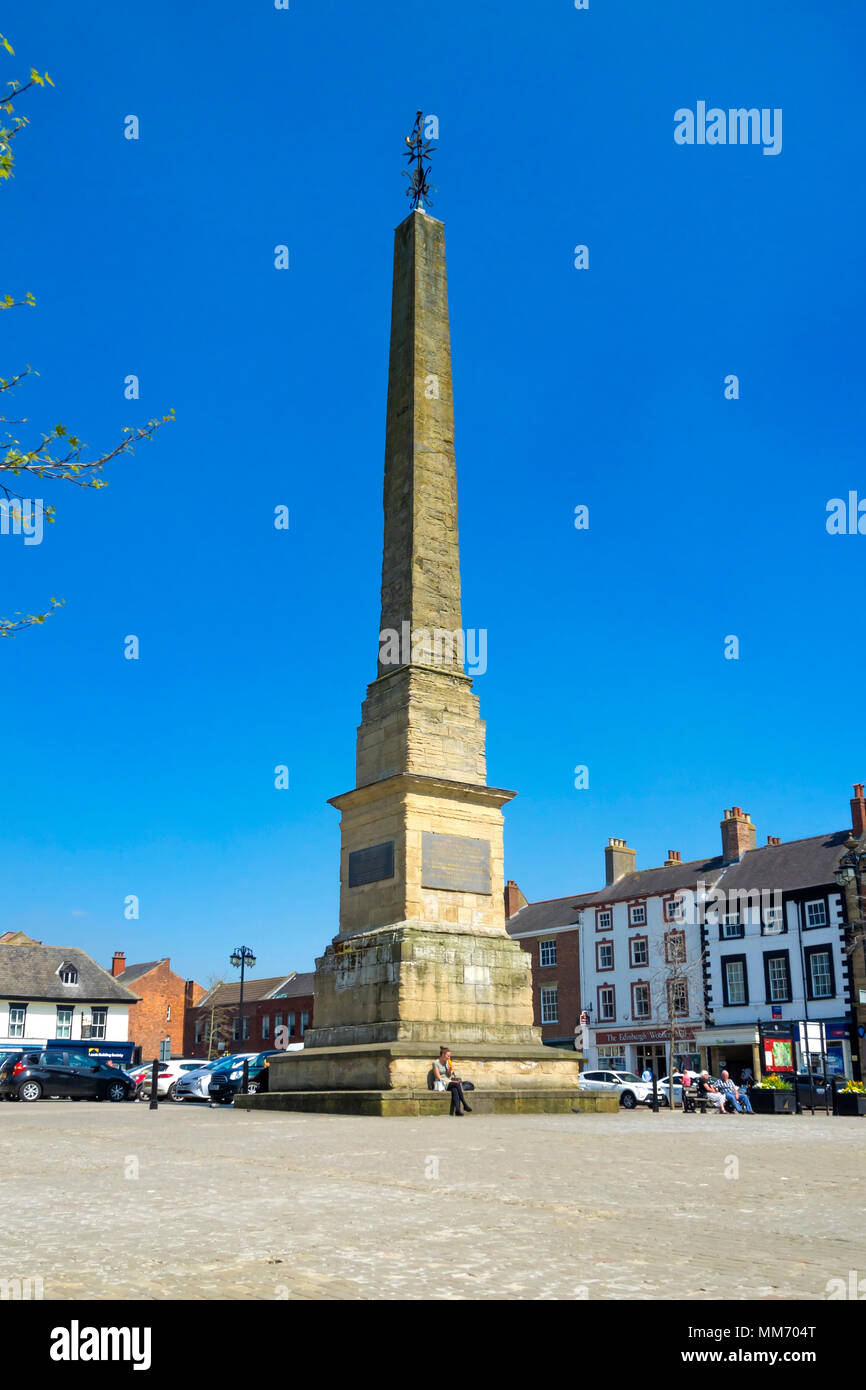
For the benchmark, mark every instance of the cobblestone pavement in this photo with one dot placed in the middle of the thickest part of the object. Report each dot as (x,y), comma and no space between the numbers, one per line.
(107,1201)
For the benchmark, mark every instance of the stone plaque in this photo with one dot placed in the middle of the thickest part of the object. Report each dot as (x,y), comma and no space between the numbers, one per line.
(455,862)
(369,865)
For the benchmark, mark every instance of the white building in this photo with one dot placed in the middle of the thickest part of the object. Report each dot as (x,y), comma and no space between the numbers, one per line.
(58,993)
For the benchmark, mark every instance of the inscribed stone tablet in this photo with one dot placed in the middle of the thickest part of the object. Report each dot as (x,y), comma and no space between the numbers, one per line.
(455,862)
(369,865)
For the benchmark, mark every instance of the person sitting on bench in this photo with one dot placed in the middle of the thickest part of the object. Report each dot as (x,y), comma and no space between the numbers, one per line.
(709,1092)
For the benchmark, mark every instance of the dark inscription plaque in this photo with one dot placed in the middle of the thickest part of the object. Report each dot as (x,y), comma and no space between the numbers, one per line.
(455,862)
(369,865)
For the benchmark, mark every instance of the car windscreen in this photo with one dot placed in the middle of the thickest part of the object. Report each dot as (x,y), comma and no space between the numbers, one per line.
(627,1076)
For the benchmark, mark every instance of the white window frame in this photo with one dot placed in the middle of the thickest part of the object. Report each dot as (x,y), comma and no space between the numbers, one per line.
(643,942)
(69,1011)
(646,988)
(17,1027)
(604,921)
(634,920)
(815,902)
(732,919)
(783,963)
(821,955)
(549,1004)
(68,969)
(674,910)
(605,1017)
(602,947)
(98,1026)
(735,965)
(547,948)
(774,921)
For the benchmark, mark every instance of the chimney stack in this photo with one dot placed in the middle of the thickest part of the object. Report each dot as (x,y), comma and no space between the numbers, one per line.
(118,964)
(858,810)
(773,840)
(674,857)
(738,834)
(514,899)
(618,861)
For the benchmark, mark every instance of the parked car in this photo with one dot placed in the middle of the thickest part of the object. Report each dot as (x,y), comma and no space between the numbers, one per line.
(167,1077)
(193,1084)
(50,1072)
(812,1090)
(225,1080)
(664,1087)
(630,1089)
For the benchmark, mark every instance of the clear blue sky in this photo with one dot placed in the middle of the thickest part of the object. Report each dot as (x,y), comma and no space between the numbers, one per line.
(707,516)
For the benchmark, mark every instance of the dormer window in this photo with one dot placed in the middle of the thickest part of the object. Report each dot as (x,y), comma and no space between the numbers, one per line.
(68,974)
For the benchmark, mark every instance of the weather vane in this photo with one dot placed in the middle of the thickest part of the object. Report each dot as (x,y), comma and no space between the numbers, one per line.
(418,154)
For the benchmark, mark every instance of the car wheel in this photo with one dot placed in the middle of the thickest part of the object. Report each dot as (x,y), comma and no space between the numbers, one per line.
(171,1093)
(663,1101)
(31,1090)
(627,1100)
(116,1090)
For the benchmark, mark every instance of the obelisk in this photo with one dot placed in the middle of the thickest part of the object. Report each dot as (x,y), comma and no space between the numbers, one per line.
(422,956)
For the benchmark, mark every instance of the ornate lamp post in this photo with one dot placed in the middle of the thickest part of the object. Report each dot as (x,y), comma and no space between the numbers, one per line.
(240,959)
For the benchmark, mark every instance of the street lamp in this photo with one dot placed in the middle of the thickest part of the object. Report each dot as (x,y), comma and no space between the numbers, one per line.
(240,959)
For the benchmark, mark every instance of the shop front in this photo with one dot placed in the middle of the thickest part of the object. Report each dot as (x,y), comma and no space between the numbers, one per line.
(730,1049)
(634,1049)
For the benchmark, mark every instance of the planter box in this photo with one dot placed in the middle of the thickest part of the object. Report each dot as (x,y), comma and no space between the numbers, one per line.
(852,1104)
(772,1102)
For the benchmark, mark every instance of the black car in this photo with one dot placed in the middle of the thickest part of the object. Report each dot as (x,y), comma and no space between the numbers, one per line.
(49,1072)
(227,1077)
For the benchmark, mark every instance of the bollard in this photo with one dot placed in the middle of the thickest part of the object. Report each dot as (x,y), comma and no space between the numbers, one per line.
(154,1073)
(655,1104)
(245,1079)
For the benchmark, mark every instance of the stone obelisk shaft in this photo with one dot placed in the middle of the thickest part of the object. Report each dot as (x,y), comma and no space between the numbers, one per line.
(420,563)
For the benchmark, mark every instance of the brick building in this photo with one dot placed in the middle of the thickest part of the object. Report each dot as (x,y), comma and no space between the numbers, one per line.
(283,1001)
(156,1022)
(549,932)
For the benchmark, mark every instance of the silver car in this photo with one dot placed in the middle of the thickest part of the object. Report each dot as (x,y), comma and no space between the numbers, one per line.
(193,1084)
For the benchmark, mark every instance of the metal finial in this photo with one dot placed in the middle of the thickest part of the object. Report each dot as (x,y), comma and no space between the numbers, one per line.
(418,153)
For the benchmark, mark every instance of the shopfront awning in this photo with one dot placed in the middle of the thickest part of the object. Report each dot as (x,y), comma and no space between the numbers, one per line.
(745,1034)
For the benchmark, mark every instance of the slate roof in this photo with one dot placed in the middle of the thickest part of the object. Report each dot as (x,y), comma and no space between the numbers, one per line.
(256,990)
(300,984)
(30,972)
(134,972)
(795,864)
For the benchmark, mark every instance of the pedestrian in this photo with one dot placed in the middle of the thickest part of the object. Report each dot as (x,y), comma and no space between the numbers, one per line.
(647,1075)
(738,1098)
(708,1090)
(446,1079)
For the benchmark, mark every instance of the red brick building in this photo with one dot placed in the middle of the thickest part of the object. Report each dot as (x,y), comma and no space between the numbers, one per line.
(165,1001)
(549,931)
(283,1001)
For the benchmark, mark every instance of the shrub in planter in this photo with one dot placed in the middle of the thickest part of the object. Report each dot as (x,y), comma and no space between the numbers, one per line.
(851,1099)
(772,1097)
